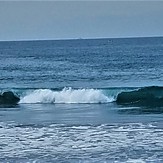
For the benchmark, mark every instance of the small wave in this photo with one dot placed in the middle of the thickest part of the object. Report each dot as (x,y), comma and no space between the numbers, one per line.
(67,95)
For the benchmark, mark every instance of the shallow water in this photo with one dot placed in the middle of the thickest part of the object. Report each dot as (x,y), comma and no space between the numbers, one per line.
(79,133)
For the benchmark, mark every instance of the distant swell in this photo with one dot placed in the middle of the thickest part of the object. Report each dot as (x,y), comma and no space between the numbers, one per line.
(67,95)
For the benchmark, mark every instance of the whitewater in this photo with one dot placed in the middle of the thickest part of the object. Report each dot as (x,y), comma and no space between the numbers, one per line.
(67,95)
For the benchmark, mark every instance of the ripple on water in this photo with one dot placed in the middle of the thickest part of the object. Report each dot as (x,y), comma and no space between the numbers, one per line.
(116,142)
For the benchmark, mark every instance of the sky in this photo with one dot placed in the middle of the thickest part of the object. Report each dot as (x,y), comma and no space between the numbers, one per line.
(35,20)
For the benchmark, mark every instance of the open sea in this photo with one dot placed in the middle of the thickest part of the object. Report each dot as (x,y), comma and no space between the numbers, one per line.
(83,100)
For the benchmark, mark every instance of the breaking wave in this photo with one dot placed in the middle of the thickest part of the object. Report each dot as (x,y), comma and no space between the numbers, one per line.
(146,96)
(67,95)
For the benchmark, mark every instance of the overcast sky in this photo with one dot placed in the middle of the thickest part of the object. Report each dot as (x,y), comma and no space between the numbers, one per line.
(28,20)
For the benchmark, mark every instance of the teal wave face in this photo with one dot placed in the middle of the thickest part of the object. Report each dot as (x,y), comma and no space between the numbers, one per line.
(147,96)
(7,98)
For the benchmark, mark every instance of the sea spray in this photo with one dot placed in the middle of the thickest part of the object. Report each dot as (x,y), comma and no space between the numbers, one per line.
(67,95)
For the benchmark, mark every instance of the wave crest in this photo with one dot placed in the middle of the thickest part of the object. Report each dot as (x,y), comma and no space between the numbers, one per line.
(67,95)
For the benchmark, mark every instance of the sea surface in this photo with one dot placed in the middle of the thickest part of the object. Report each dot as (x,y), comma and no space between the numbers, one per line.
(83,100)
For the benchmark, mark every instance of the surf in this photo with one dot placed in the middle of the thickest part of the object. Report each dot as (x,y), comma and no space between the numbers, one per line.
(67,96)
(144,96)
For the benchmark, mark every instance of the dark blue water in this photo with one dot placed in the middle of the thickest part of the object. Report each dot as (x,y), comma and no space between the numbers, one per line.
(68,111)
(82,63)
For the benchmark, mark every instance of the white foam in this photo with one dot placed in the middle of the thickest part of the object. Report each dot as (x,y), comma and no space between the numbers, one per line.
(67,95)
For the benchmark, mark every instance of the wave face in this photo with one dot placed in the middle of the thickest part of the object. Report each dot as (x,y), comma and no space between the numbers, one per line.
(147,96)
(67,95)
(8,97)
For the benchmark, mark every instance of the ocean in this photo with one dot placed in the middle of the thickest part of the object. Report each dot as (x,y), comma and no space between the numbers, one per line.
(82,100)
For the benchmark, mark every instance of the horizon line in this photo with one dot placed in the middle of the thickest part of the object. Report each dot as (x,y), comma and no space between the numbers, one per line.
(80,38)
